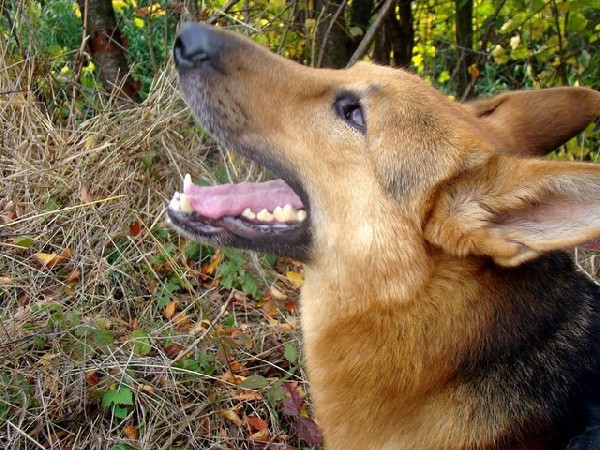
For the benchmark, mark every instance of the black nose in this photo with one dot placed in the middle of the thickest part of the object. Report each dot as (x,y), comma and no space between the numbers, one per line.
(193,45)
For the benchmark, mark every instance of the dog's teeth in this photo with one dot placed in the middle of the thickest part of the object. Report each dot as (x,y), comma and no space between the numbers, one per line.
(249,214)
(301,215)
(187,181)
(278,214)
(264,216)
(175,204)
(285,214)
(290,213)
(184,204)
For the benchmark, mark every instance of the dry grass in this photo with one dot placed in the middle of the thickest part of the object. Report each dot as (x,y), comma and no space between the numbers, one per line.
(86,187)
(98,190)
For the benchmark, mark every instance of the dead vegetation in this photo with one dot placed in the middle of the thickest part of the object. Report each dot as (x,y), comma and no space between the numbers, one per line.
(114,332)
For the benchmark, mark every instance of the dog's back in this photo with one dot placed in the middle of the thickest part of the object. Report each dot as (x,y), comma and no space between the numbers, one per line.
(438,311)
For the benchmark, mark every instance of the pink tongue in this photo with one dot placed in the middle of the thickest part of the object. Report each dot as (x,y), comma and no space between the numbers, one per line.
(215,202)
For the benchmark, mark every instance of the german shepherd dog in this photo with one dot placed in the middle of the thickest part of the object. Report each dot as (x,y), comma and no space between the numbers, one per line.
(438,309)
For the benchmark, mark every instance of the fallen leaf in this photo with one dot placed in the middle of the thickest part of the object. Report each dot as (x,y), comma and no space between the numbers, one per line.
(208,269)
(309,432)
(291,306)
(47,358)
(173,350)
(92,378)
(232,416)
(277,294)
(147,388)
(230,378)
(247,396)
(84,194)
(50,260)
(73,276)
(293,402)
(130,432)
(170,309)
(295,277)
(256,423)
(260,436)
(268,306)
(203,325)
(135,228)
(182,321)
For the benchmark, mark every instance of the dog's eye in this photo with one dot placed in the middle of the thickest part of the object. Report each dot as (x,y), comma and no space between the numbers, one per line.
(350,110)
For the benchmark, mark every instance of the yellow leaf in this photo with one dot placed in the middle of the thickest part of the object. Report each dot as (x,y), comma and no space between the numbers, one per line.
(47,359)
(50,260)
(210,268)
(294,277)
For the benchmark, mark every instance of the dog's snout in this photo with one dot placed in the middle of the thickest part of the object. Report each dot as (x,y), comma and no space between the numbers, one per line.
(193,45)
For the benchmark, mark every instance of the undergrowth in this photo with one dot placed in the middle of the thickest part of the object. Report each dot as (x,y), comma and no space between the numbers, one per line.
(115,333)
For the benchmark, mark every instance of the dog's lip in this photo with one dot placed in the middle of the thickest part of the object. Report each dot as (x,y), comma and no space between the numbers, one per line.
(223,211)
(197,225)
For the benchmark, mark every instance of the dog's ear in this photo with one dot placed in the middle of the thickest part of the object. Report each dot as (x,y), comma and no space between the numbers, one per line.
(513,209)
(533,123)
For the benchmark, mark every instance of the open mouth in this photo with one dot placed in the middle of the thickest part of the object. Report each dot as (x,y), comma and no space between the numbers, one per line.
(266,216)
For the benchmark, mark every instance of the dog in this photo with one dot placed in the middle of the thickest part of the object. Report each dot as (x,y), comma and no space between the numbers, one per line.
(439,308)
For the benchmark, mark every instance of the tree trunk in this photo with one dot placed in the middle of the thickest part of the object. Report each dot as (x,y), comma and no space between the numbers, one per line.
(464,41)
(107,47)
(331,33)
(396,38)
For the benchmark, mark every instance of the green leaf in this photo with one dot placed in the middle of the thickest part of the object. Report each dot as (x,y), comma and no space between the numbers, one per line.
(124,447)
(255,382)
(141,346)
(356,31)
(103,337)
(249,285)
(24,242)
(119,412)
(121,396)
(290,352)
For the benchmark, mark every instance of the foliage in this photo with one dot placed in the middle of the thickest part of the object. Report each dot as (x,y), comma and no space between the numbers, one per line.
(117,333)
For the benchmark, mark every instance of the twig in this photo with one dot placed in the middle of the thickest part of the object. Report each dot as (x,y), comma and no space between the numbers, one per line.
(329,27)
(25,435)
(184,352)
(366,42)
(226,7)
(58,211)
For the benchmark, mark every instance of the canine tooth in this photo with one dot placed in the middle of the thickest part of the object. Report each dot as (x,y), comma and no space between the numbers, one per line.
(264,216)
(249,214)
(302,215)
(185,205)
(175,204)
(187,181)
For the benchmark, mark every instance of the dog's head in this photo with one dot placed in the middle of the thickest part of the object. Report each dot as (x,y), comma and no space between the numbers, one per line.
(369,150)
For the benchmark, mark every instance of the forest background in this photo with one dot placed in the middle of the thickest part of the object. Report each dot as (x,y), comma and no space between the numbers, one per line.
(116,333)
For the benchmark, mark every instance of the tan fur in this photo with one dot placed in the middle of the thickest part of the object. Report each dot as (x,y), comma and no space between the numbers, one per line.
(406,220)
